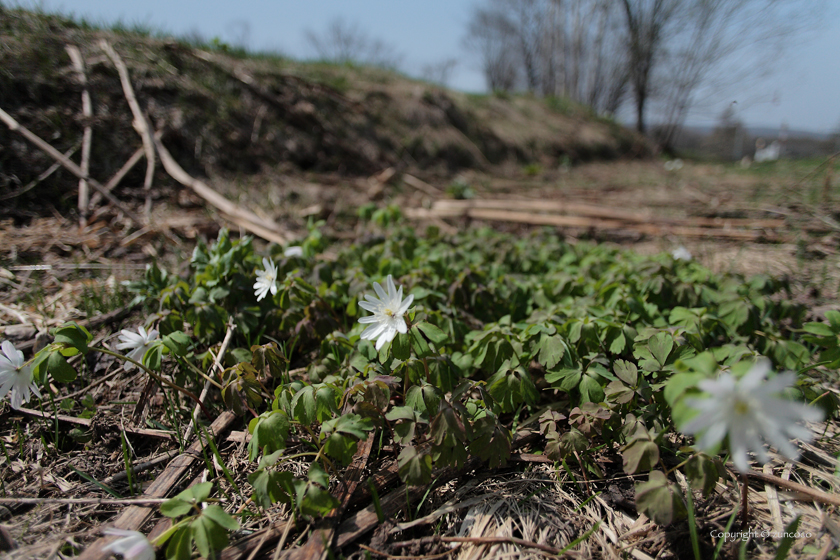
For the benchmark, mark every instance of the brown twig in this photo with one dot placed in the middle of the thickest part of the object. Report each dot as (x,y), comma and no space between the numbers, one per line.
(94,501)
(15,126)
(118,176)
(812,493)
(87,112)
(140,124)
(206,388)
(478,540)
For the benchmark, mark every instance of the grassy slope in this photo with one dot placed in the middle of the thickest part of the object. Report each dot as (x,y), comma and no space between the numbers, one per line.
(307,116)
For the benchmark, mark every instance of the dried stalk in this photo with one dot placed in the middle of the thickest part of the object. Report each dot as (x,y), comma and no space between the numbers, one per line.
(15,126)
(87,112)
(140,124)
(238,215)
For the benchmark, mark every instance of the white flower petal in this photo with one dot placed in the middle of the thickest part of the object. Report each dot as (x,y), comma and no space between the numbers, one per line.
(373,308)
(406,304)
(380,292)
(401,326)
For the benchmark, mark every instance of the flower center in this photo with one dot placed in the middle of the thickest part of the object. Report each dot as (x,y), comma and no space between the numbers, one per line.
(390,313)
(741,407)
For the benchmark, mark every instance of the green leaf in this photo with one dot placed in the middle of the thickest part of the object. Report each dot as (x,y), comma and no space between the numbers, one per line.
(437,336)
(819,329)
(303,405)
(833,317)
(660,346)
(342,435)
(179,545)
(61,371)
(175,507)
(510,388)
(272,486)
(414,468)
(196,494)
(659,499)
(618,343)
(313,497)
(449,435)
(177,342)
(640,455)
(218,515)
(270,433)
(552,349)
(401,346)
(424,398)
(565,379)
(152,358)
(71,335)
(590,389)
(558,447)
(492,441)
(626,371)
(406,419)
(702,473)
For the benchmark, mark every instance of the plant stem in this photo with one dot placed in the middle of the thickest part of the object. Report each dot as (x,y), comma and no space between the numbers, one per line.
(157,378)
(745,514)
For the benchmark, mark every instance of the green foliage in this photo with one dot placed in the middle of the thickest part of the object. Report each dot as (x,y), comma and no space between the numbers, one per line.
(621,339)
(206,528)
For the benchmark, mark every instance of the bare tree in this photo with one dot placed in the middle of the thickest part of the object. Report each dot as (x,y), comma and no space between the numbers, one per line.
(439,72)
(723,43)
(647,24)
(573,48)
(345,42)
(492,36)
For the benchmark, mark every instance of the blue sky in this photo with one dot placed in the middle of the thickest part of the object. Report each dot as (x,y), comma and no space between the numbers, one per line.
(803,92)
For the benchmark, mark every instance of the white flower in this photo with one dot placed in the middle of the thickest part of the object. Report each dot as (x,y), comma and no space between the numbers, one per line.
(681,254)
(293,251)
(137,342)
(132,546)
(387,319)
(266,280)
(14,376)
(747,411)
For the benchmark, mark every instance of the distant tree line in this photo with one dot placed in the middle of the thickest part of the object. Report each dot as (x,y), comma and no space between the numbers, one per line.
(667,54)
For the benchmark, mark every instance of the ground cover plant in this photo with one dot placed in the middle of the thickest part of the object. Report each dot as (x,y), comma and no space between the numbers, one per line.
(472,338)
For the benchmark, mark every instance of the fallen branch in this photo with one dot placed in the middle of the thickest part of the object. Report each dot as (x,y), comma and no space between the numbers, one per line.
(811,493)
(94,501)
(135,516)
(118,176)
(140,124)
(15,126)
(87,423)
(87,112)
(582,222)
(461,207)
(269,231)
(422,186)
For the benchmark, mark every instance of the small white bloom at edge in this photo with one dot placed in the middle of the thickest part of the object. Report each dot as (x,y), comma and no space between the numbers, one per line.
(681,254)
(132,546)
(388,313)
(137,343)
(266,280)
(748,411)
(293,251)
(14,376)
